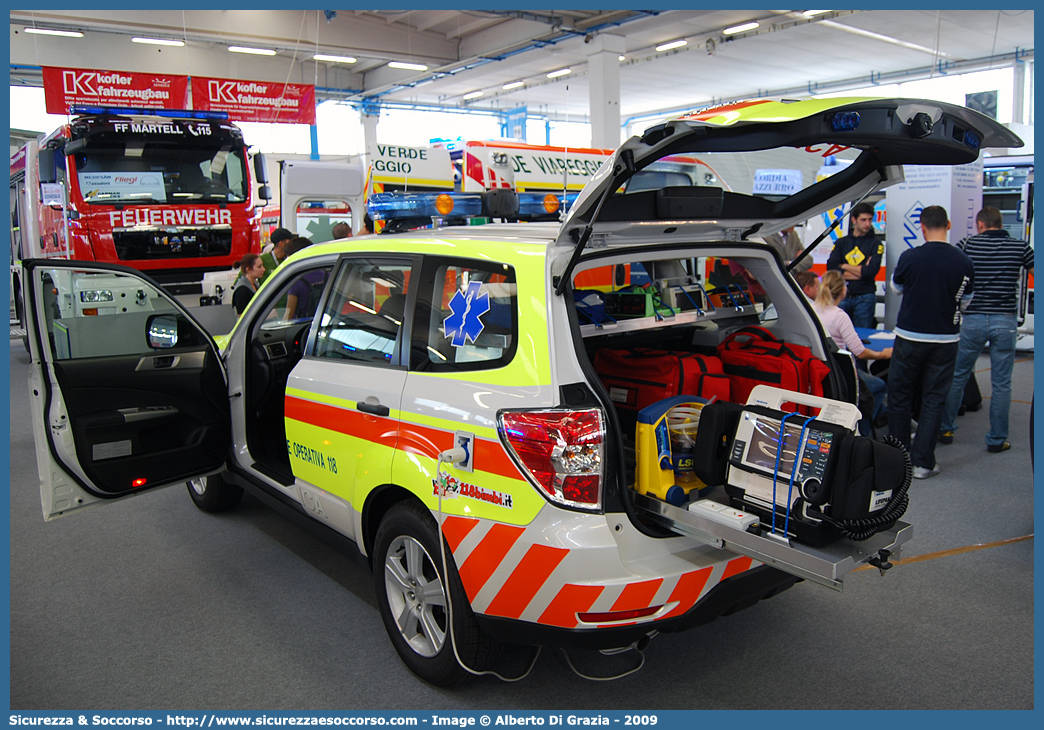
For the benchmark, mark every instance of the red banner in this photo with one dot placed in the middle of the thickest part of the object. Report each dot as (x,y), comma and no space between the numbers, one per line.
(66,87)
(255,101)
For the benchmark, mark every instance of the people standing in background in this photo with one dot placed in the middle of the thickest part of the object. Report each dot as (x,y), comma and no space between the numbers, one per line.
(788,244)
(936,280)
(251,269)
(991,317)
(277,234)
(858,257)
(272,259)
(341,230)
(303,296)
(839,326)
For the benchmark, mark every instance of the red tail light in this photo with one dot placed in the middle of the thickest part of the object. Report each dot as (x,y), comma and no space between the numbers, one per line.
(561,452)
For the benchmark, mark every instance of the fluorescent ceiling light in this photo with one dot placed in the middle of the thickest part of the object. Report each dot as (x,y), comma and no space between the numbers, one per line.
(513,85)
(473,95)
(254,51)
(158,41)
(621,58)
(334,59)
(560,72)
(51,31)
(813,13)
(408,66)
(741,28)
(673,44)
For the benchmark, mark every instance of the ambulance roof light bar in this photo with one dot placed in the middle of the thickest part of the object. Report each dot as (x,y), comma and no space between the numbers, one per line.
(170,113)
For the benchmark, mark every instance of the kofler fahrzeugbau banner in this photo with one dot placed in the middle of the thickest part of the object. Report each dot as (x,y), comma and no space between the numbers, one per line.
(255,101)
(68,87)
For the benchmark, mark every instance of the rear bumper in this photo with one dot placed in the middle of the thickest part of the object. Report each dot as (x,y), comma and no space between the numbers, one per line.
(731,595)
(594,580)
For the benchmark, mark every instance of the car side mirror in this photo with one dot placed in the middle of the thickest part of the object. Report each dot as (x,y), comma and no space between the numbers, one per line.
(264,192)
(162,331)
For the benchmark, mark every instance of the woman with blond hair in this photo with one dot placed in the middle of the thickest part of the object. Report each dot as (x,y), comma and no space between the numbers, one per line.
(839,326)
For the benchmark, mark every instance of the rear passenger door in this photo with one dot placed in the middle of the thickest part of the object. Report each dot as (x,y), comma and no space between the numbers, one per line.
(342,398)
(463,369)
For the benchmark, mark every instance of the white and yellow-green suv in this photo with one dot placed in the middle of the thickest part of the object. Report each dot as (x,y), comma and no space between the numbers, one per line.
(432,395)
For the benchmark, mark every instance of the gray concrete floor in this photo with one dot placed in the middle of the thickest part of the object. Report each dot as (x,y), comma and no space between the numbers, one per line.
(151,604)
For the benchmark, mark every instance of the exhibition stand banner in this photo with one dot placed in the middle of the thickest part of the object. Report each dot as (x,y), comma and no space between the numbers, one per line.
(244,101)
(67,87)
(255,101)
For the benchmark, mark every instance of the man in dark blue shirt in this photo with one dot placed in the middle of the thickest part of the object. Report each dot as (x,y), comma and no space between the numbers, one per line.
(935,280)
(858,257)
(991,317)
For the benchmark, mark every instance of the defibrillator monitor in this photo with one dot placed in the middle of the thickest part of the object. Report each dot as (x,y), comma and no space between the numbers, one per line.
(762,462)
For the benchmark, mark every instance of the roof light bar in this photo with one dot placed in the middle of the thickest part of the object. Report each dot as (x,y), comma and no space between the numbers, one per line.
(252,51)
(671,45)
(159,41)
(170,113)
(54,31)
(741,28)
(334,59)
(392,206)
(408,66)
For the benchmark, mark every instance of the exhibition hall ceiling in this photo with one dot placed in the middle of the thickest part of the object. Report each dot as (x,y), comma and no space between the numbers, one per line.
(470,51)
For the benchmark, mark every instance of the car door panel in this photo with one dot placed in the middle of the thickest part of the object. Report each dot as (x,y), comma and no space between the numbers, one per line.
(129,393)
(131,422)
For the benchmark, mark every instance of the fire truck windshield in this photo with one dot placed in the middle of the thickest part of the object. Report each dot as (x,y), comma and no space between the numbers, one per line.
(150,170)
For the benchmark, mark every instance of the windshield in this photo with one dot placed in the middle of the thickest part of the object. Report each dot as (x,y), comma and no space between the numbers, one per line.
(138,169)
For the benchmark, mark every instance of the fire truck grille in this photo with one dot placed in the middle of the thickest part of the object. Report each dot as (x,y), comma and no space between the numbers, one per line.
(172,244)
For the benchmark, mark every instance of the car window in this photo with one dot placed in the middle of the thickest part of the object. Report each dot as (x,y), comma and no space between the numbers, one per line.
(468,319)
(364,312)
(99,313)
(723,288)
(298,298)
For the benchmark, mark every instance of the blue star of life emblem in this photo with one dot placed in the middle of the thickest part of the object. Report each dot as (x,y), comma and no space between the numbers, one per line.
(467,305)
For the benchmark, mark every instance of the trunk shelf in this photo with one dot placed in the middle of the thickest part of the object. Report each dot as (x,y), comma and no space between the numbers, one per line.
(825,565)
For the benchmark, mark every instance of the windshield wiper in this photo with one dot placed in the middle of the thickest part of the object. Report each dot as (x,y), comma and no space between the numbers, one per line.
(136,200)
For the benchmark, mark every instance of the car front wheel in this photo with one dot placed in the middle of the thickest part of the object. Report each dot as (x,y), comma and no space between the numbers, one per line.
(413,596)
(214,494)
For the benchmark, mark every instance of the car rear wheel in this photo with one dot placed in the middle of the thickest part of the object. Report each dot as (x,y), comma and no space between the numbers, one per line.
(412,594)
(213,493)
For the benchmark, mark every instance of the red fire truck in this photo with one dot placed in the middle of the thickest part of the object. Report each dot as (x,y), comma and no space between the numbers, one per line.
(168,192)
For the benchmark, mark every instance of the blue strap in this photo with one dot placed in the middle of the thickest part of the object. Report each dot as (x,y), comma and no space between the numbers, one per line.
(793,472)
(775,471)
(706,296)
(691,301)
(596,322)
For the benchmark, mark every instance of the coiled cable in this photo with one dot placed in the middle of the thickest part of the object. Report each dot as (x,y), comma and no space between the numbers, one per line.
(864,529)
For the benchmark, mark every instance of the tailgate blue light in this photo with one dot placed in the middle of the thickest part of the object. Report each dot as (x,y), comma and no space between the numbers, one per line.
(844,121)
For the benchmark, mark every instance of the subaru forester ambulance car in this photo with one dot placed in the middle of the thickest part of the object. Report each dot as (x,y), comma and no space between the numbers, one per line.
(442,396)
